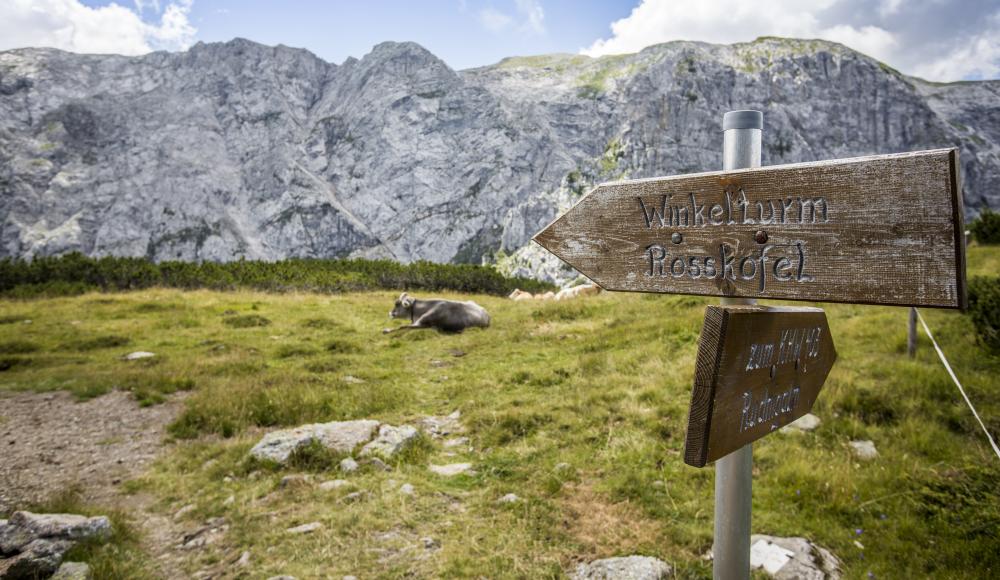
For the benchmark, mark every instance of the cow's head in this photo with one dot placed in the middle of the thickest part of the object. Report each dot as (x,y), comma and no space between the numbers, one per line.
(403,307)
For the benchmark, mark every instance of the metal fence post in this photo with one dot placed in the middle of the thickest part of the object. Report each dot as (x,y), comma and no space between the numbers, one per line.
(733,484)
(911,340)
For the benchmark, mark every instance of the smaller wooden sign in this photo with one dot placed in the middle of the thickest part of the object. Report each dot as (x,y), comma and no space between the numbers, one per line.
(758,368)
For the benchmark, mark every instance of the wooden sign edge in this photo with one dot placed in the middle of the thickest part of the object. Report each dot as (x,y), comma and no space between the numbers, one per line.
(696,440)
(958,220)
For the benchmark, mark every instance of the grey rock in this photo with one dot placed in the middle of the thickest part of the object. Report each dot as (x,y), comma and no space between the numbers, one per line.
(509,498)
(807,422)
(305,528)
(283,577)
(625,568)
(340,436)
(242,150)
(354,496)
(295,480)
(378,464)
(138,355)
(864,450)
(455,442)
(25,527)
(452,469)
(390,441)
(438,426)
(72,571)
(334,484)
(348,465)
(38,558)
(792,559)
(244,560)
(406,489)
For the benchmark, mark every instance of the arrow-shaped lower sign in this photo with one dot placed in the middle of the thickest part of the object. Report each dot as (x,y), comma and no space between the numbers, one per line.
(758,369)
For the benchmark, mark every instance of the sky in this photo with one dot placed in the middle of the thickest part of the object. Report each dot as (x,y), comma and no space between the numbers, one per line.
(941,40)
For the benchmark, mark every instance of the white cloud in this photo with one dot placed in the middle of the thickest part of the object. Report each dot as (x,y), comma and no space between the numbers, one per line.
(920,39)
(530,18)
(69,25)
(494,20)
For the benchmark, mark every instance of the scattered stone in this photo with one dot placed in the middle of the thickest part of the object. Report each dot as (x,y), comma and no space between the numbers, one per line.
(339,436)
(456,442)
(354,496)
(437,363)
(626,568)
(431,544)
(305,528)
(72,571)
(792,559)
(807,422)
(353,380)
(864,450)
(452,469)
(349,578)
(439,426)
(295,480)
(659,483)
(406,489)
(378,463)
(184,511)
(390,441)
(335,484)
(244,560)
(34,544)
(563,466)
(137,355)
(509,498)
(282,577)
(456,353)
(348,465)
(229,501)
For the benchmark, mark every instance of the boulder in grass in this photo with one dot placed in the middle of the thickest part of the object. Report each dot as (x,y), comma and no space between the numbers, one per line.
(792,559)
(138,355)
(390,441)
(72,571)
(807,422)
(625,568)
(452,469)
(339,436)
(33,545)
(864,450)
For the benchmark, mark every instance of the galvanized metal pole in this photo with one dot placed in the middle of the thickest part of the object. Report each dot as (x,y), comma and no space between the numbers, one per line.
(731,551)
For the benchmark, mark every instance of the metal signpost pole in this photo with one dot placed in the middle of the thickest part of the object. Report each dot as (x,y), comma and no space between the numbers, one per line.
(731,551)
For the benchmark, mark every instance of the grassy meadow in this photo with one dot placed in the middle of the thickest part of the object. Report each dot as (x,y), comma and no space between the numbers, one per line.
(577,407)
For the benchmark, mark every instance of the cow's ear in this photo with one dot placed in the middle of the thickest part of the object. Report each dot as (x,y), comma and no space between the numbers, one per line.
(406,301)
(402,298)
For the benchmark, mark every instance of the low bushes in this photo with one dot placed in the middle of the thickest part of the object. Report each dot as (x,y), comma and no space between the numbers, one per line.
(984,309)
(986,228)
(75,273)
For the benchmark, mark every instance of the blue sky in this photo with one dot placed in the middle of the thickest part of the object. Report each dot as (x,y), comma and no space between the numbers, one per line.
(941,40)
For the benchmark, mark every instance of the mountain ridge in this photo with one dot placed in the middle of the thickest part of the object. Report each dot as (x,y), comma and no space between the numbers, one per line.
(238,149)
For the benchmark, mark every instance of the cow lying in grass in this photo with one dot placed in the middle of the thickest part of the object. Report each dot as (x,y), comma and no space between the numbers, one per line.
(444,315)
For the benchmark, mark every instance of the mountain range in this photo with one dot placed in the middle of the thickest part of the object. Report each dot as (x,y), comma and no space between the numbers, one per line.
(239,150)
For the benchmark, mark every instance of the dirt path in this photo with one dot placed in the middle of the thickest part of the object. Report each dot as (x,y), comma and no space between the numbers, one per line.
(49,443)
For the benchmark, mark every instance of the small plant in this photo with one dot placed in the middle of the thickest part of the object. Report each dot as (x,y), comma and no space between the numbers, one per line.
(986,227)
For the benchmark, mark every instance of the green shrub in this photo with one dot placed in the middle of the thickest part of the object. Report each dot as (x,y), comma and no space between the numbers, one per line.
(984,309)
(75,273)
(986,227)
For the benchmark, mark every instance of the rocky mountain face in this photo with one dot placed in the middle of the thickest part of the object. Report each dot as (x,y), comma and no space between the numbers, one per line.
(243,150)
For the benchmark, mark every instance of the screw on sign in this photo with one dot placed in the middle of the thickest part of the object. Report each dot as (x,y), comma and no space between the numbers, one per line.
(885,229)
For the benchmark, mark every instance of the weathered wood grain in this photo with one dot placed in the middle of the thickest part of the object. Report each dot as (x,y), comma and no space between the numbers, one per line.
(758,368)
(886,229)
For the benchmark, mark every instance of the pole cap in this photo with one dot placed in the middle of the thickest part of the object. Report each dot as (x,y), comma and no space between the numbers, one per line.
(743,120)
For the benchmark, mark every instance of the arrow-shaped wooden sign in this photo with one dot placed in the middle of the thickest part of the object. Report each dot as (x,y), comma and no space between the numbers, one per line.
(758,368)
(886,229)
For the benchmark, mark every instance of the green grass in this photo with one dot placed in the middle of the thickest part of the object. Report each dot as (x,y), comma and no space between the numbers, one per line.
(601,384)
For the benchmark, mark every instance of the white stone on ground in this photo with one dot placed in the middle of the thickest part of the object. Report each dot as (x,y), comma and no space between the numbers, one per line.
(348,465)
(339,436)
(864,450)
(509,498)
(792,559)
(456,442)
(72,571)
(244,560)
(334,484)
(139,354)
(406,488)
(452,469)
(625,568)
(390,441)
(807,422)
(305,528)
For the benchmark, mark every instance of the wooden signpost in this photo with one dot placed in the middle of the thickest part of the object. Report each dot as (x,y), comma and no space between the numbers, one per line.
(758,369)
(885,229)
